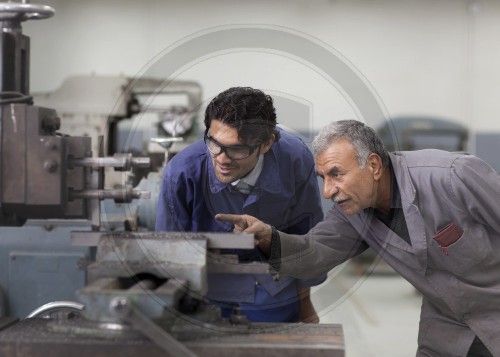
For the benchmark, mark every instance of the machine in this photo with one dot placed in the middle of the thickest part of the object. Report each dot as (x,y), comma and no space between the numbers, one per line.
(420,132)
(76,282)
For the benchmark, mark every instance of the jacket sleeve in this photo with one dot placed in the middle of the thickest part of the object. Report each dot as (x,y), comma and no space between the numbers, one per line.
(308,210)
(328,244)
(476,186)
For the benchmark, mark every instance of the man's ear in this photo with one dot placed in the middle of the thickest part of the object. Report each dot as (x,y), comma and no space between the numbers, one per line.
(266,146)
(374,163)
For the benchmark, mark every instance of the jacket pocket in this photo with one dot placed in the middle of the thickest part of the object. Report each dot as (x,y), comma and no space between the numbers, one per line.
(461,250)
(447,236)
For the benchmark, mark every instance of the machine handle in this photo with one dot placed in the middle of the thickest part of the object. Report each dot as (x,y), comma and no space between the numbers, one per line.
(24,11)
(122,308)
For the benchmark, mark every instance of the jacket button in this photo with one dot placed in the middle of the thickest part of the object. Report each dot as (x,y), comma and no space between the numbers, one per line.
(465,317)
(430,271)
(256,282)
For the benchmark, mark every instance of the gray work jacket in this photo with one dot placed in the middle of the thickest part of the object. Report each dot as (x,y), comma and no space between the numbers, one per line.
(456,269)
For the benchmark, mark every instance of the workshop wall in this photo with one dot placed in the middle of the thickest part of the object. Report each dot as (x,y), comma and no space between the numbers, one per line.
(425,57)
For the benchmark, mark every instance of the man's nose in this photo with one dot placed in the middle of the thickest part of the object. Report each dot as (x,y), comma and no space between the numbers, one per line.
(222,158)
(330,189)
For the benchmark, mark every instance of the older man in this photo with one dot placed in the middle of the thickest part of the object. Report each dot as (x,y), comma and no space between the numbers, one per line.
(434,216)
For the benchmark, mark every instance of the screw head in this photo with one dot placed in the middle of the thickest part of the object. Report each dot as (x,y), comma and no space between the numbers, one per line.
(120,306)
(50,165)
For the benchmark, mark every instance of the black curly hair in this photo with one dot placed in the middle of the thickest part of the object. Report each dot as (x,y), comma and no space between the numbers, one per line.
(249,110)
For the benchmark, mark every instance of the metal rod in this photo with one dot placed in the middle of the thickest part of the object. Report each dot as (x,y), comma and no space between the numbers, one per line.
(112,161)
(123,308)
(122,195)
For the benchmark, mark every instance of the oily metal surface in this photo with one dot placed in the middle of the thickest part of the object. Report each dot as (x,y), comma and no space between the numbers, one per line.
(32,338)
(214,240)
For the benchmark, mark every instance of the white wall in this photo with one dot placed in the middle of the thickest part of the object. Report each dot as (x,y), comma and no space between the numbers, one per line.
(424,57)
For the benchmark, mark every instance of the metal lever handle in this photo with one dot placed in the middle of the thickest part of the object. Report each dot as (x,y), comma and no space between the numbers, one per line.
(23,12)
(122,308)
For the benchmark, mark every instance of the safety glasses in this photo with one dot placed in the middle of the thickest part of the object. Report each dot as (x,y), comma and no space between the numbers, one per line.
(232,152)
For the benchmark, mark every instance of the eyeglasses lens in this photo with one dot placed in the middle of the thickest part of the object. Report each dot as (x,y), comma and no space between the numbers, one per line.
(234,153)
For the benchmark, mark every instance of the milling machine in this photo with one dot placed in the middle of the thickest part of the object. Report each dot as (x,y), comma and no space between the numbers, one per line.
(137,292)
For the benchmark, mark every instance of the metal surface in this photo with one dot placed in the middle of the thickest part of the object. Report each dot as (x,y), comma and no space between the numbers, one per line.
(172,253)
(216,263)
(38,264)
(125,255)
(7,321)
(214,240)
(33,338)
(154,302)
(35,176)
(36,278)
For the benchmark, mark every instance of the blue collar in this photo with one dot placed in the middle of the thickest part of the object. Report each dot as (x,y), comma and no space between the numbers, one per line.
(269,179)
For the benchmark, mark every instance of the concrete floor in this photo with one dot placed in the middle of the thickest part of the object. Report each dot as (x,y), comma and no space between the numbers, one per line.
(379,310)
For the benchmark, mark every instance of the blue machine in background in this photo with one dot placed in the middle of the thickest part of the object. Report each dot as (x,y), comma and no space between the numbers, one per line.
(420,132)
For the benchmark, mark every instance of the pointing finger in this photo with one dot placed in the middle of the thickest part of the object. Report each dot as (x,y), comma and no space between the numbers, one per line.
(235,219)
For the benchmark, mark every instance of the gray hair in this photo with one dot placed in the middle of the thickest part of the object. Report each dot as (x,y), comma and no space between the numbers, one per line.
(362,137)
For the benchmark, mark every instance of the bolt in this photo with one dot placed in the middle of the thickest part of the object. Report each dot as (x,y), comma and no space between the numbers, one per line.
(51,145)
(119,306)
(50,165)
(51,123)
(238,317)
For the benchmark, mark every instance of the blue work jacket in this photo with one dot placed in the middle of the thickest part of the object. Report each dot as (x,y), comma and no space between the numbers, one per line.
(285,195)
